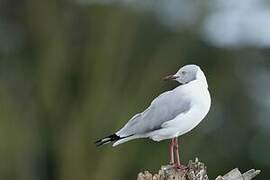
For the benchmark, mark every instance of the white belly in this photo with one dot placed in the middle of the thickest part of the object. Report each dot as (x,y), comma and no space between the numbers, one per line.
(183,123)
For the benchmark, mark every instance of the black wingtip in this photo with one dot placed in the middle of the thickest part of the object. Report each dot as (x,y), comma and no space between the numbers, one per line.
(98,141)
(107,139)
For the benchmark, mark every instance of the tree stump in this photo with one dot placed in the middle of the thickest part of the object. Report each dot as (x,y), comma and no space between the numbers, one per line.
(196,170)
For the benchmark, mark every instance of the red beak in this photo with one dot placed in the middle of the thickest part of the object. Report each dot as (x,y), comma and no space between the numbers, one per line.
(170,78)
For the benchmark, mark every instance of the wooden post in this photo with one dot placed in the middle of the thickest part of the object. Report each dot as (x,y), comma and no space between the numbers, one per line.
(196,170)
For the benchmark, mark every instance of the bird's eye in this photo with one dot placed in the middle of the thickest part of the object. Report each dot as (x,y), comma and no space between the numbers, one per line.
(183,72)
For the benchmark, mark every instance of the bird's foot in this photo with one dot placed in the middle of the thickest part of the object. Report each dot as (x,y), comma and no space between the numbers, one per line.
(180,167)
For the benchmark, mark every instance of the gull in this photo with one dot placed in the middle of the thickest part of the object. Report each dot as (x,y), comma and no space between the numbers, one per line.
(171,114)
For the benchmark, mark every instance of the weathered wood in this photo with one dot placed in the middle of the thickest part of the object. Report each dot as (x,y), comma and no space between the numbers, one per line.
(196,170)
(235,174)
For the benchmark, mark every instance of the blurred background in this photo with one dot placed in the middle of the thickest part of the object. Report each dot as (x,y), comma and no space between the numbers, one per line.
(72,71)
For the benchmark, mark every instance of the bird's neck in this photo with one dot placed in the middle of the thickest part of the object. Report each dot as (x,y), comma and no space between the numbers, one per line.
(200,77)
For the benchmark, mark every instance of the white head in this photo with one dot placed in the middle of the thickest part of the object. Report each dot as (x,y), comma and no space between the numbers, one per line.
(187,74)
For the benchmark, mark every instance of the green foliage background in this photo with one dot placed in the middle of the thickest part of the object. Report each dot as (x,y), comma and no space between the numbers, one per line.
(77,73)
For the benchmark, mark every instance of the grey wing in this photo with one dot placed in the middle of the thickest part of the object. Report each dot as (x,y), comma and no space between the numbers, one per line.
(164,108)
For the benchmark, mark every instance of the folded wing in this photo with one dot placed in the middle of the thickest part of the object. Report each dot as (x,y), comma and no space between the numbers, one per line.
(163,108)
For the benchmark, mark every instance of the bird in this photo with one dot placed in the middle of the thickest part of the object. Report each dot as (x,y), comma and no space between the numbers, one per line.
(171,114)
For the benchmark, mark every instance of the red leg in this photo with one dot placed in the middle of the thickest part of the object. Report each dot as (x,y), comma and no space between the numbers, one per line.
(171,151)
(178,165)
(176,151)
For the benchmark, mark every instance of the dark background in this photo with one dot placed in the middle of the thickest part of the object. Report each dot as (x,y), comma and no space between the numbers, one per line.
(74,71)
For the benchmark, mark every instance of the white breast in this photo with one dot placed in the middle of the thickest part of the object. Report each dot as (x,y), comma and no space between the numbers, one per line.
(200,106)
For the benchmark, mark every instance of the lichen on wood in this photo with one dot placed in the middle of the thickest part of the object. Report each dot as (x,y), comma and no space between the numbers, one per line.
(195,170)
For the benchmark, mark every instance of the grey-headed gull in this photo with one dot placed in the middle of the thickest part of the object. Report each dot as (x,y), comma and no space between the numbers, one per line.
(171,114)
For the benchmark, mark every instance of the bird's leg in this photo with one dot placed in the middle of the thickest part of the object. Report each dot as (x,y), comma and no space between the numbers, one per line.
(178,165)
(176,151)
(171,151)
